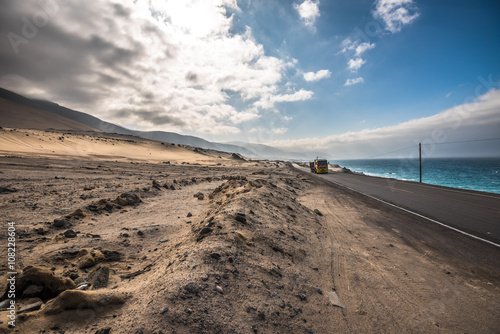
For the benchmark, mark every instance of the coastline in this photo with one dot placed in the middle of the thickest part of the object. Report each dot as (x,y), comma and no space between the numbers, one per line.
(461,173)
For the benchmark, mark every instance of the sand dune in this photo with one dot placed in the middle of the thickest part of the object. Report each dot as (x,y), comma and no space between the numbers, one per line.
(96,146)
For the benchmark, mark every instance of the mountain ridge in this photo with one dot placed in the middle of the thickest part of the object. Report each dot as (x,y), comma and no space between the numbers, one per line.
(250,150)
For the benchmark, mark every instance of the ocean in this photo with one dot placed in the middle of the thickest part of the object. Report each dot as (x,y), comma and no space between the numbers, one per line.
(481,174)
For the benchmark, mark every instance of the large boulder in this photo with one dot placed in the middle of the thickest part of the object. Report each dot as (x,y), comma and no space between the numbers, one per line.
(80,300)
(128,198)
(51,284)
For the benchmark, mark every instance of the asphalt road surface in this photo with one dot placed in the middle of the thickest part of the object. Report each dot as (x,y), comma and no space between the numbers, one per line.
(476,213)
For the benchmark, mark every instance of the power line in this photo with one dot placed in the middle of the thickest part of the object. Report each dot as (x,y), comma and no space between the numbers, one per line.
(403,149)
(467,141)
(451,142)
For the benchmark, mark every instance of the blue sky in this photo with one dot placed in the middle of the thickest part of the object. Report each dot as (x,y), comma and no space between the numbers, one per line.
(347,78)
(432,64)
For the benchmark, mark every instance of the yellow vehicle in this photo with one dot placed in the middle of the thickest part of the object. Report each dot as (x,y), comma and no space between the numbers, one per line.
(319,166)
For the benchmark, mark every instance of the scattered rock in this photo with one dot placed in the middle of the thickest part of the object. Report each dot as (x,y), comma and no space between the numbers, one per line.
(319,213)
(189,214)
(241,217)
(156,185)
(219,289)
(128,198)
(199,195)
(4,304)
(106,330)
(216,256)
(40,231)
(99,277)
(59,222)
(32,291)
(205,230)
(334,299)
(70,234)
(31,307)
(302,297)
(278,249)
(110,256)
(191,288)
(236,156)
(78,213)
(90,259)
(7,190)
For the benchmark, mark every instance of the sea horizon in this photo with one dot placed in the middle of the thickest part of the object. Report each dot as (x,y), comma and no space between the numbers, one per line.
(471,173)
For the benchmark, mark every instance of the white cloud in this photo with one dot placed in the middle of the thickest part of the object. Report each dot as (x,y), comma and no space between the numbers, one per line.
(245,116)
(321,74)
(478,119)
(395,13)
(355,64)
(350,82)
(361,48)
(308,12)
(271,100)
(158,64)
(280,131)
(356,47)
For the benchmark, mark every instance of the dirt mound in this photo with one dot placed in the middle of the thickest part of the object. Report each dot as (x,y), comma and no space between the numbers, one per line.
(251,264)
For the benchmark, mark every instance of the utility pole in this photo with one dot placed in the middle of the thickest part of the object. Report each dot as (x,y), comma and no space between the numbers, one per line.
(420,159)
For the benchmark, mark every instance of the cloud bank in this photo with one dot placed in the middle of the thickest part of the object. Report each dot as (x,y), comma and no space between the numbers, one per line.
(479,119)
(157,65)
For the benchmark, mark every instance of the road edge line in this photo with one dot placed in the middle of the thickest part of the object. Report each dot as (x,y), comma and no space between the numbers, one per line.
(414,213)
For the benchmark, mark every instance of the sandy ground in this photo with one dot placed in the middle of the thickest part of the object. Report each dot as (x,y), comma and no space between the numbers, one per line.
(223,245)
(98,146)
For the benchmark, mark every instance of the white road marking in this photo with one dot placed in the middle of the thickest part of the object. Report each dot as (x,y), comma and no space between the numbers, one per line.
(417,214)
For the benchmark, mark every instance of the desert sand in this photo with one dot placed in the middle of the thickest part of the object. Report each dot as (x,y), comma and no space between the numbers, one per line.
(118,234)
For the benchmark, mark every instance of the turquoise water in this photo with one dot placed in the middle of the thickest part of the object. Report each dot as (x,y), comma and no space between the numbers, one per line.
(482,174)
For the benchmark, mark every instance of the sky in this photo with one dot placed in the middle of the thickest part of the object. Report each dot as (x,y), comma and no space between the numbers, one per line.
(349,79)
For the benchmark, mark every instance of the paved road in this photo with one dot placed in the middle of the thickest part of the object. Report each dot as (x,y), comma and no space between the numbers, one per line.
(472,212)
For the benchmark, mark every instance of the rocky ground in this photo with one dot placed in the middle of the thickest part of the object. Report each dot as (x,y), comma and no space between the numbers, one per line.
(231,247)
